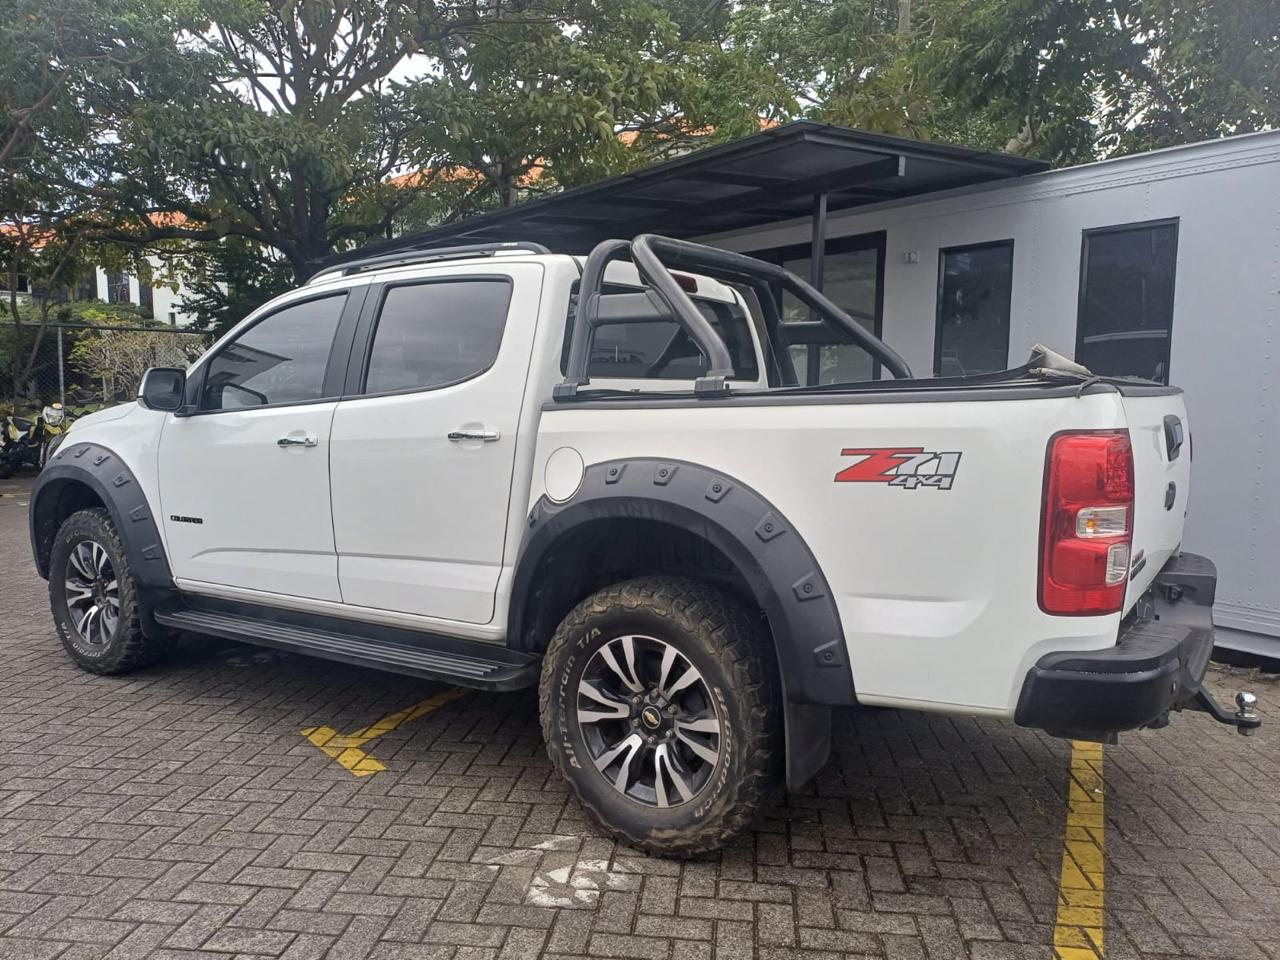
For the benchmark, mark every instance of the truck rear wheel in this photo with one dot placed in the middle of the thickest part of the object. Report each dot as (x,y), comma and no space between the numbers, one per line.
(660,706)
(95,600)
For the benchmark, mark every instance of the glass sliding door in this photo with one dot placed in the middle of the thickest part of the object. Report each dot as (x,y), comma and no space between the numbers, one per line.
(853,278)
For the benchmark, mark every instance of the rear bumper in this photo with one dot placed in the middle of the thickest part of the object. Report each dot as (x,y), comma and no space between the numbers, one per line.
(1157,663)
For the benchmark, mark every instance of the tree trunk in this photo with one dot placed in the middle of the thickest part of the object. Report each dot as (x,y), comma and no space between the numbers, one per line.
(34,353)
(904,17)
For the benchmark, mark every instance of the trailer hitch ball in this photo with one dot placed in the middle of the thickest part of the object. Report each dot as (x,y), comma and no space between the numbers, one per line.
(1246,704)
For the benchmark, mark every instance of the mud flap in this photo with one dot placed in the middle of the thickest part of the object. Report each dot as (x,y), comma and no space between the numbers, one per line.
(808,734)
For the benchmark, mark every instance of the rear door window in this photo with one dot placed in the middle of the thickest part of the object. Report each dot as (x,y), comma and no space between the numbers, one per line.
(435,334)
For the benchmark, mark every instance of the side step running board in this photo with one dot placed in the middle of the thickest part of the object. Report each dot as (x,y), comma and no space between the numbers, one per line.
(468,663)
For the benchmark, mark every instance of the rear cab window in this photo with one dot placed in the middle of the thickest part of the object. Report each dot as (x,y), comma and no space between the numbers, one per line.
(661,356)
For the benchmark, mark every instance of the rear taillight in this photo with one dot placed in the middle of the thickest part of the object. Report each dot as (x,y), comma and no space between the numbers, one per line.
(1088,523)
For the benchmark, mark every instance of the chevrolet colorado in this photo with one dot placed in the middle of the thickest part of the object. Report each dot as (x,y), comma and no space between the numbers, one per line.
(610,478)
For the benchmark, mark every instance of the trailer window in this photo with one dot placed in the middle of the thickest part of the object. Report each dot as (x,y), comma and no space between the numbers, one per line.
(1126,300)
(975,286)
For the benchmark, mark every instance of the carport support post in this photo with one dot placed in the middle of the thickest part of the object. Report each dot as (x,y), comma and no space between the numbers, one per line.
(817,249)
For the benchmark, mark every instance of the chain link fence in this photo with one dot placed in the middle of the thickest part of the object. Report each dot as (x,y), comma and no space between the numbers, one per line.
(85,367)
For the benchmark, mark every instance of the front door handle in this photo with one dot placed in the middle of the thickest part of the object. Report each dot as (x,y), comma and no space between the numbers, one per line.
(488,436)
(305,441)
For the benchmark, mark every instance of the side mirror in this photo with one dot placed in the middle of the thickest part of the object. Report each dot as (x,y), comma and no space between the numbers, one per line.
(162,388)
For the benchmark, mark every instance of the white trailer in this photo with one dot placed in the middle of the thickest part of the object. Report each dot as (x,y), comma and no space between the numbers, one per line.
(1219,204)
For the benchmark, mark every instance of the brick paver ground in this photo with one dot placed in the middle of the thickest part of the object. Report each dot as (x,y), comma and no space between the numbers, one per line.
(179,812)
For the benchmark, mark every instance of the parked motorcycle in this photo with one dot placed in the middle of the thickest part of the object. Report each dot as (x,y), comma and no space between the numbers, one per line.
(29,442)
(17,445)
(56,421)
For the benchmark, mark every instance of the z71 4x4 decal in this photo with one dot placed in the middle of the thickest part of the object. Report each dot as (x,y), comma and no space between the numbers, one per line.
(908,467)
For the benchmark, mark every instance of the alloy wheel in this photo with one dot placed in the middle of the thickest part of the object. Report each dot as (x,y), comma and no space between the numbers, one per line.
(92,593)
(649,721)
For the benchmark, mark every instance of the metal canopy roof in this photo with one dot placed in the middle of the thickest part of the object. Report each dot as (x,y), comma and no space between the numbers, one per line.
(760,179)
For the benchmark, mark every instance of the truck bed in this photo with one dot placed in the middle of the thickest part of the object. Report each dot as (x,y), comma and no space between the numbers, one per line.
(935,572)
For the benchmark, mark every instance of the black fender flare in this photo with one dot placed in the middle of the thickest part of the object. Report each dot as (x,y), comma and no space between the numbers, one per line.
(772,557)
(111,480)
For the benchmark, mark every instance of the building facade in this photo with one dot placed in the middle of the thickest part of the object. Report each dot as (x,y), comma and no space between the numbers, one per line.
(164,301)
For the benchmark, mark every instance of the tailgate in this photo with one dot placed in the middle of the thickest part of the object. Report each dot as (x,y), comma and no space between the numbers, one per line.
(1161,438)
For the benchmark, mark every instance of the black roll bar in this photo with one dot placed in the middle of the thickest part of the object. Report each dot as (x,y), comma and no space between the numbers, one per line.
(584,324)
(654,256)
(655,273)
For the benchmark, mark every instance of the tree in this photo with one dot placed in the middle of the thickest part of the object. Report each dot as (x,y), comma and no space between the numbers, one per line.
(528,106)
(228,280)
(293,141)
(64,67)
(46,258)
(54,55)
(1069,82)
(117,359)
(312,109)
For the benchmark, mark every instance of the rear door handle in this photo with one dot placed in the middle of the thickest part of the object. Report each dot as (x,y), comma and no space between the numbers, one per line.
(488,436)
(307,441)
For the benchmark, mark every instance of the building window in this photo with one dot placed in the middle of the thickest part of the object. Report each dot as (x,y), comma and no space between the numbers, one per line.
(852,278)
(173,318)
(117,287)
(144,298)
(975,284)
(1126,300)
(87,289)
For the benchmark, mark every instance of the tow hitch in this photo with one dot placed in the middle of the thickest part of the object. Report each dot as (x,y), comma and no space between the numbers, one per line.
(1245,719)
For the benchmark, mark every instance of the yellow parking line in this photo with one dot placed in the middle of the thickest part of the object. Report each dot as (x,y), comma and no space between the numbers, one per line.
(346,749)
(1077,935)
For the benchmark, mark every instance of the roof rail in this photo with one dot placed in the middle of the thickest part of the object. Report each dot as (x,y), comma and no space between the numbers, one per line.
(406,257)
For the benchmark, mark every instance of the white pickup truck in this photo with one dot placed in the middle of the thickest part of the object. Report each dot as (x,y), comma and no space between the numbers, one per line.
(499,467)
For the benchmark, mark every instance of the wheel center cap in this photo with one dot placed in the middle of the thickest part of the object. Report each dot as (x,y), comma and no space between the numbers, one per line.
(651,717)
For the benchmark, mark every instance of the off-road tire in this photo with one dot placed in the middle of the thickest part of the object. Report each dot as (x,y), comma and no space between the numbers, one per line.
(128,648)
(729,645)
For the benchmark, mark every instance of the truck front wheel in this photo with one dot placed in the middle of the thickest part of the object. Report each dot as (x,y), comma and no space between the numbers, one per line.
(95,599)
(660,706)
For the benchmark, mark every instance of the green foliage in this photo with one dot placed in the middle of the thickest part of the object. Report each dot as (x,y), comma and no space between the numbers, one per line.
(1069,82)
(35,345)
(1073,82)
(270,134)
(227,281)
(111,362)
(311,107)
(569,91)
(67,72)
